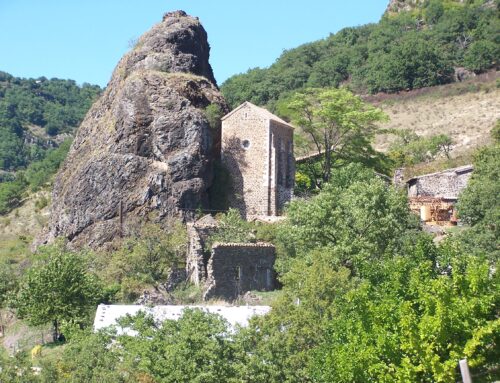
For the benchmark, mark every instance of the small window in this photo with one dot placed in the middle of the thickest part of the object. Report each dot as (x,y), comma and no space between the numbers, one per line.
(245,144)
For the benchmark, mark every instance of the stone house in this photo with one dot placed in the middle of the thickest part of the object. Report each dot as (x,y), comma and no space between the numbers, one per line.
(257,150)
(434,195)
(446,184)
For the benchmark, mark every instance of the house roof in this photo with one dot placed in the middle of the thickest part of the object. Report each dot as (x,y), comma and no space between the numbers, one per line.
(458,170)
(108,315)
(264,113)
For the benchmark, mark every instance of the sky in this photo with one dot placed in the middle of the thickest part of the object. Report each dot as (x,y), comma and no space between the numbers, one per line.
(83,40)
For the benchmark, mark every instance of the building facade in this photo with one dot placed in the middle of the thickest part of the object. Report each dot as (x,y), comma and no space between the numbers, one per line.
(433,196)
(257,150)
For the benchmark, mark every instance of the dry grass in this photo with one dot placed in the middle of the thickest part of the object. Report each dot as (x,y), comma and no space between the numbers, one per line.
(466,113)
(26,220)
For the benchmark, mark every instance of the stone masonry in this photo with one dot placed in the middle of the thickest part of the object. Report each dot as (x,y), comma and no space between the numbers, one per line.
(197,256)
(235,268)
(228,270)
(446,184)
(257,149)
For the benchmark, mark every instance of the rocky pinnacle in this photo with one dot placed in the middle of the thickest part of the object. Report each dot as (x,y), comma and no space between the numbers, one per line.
(146,146)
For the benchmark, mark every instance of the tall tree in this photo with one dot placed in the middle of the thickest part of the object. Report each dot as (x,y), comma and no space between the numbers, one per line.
(339,124)
(58,287)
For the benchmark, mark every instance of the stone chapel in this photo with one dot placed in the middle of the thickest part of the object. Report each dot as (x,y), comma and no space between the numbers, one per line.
(257,150)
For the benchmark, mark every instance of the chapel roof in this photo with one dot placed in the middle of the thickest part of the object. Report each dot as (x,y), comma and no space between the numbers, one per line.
(264,113)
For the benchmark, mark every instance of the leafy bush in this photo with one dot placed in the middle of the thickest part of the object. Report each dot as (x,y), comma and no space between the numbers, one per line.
(479,204)
(11,193)
(411,149)
(35,177)
(143,259)
(232,228)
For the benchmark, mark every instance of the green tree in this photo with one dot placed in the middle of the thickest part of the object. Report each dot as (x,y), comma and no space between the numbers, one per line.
(144,258)
(415,61)
(232,228)
(414,322)
(479,205)
(91,357)
(57,288)
(339,124)
(11,193)
(357,218)
(481,55)
(195,348)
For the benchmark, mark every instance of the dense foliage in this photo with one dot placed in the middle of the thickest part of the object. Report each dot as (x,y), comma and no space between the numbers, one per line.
(403,51)
(57,106)
(366,297)
(143,258)
(479,204)
(337,125)
(410,149)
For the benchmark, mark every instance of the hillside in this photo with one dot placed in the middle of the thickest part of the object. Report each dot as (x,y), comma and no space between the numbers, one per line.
(466,112)
(38,114)
(424,44)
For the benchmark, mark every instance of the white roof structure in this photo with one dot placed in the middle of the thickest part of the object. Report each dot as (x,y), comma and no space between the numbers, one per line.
(108,315)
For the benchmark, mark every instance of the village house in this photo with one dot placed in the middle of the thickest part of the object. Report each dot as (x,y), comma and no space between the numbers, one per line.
(433,196)
(257,150)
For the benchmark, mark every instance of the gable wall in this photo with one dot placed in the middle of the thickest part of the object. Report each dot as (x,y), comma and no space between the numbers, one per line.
(248,166)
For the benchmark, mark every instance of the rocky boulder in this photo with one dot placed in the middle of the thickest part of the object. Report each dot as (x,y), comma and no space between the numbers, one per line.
(146,145)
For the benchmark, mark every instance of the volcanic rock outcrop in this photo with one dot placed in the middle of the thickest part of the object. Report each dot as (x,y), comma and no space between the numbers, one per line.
(146,145)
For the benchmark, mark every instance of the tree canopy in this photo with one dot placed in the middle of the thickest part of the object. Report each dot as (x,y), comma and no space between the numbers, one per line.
(57,106)
(339,126)
(403,51)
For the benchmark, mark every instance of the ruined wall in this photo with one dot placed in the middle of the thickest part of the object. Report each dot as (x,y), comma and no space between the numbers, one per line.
(447,184)
(236,268)
(245,153)
(197,257)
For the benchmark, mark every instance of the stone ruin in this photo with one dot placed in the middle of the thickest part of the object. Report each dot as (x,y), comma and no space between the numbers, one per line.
(227,270)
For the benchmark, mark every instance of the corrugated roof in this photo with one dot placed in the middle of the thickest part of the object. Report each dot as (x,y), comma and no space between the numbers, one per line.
(264,113)
(108,315)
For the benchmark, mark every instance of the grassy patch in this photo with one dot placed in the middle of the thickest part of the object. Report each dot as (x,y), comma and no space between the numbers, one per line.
(14,248)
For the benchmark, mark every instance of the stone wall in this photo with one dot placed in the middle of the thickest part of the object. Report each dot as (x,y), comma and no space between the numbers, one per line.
(447,184)
(235,268)
(258,153)
(197,253)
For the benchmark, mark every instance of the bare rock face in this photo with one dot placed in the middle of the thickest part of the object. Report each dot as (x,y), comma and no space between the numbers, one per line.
(146,145)
(396,6)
